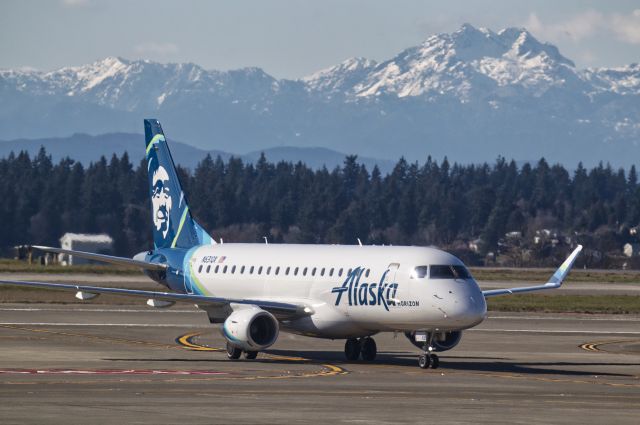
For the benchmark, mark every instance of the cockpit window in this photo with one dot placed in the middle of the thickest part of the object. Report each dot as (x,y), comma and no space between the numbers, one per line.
(441,272)
(448,272)
(461,272)
(419,272)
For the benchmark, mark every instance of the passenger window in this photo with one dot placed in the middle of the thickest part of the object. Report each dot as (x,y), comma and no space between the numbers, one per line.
(349,272)
(277,270)
(260,270)
(287,271)
(304,272)
(419,272)
(224,270)
(242,270)
(313,272)
(233,269)
(366,274)
(200,269)
(340,272)
(295,271)
(208,268)
(217,268)
(251,270)
(269,270)
(331,272)
(322,272)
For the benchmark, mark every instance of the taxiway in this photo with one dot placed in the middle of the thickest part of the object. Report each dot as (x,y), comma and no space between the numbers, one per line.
(130,364)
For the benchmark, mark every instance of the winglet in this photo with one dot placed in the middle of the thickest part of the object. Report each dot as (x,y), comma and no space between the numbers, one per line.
(556,279)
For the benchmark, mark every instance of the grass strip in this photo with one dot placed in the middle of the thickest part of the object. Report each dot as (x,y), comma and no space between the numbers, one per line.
(542,275)
(591,304)
(15,266)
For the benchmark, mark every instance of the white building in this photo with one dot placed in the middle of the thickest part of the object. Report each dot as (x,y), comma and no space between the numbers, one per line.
(513,235)
(100,244)
(631,249)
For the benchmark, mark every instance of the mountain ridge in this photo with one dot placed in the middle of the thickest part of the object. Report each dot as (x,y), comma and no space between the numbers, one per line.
(86,148)
(470,95)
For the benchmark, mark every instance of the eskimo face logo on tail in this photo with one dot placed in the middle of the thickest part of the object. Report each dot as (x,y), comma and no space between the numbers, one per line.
(362,293)
(161,200)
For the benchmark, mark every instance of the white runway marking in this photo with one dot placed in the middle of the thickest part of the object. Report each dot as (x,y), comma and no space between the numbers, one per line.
(595,319)
(556,331)
(99,310)
(143,325)
(170,325)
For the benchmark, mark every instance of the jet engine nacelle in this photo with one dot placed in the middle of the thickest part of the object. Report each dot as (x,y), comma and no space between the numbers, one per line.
(442,341)
(251,329)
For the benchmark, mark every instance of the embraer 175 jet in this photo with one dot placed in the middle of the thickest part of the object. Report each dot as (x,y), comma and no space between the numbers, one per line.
(325,291)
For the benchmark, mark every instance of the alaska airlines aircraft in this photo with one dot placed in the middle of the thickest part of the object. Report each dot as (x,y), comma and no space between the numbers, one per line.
(324,291)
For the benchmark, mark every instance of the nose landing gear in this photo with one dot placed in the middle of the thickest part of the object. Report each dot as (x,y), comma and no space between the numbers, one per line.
(429,359)
(365,347)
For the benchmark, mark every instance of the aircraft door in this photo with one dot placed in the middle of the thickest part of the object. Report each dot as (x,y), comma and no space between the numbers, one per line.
(393,271)
(391,278)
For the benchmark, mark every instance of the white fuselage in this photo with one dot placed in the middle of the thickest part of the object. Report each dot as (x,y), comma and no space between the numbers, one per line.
(382,292)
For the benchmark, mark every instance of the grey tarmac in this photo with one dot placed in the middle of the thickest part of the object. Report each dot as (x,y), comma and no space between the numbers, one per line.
(133,364)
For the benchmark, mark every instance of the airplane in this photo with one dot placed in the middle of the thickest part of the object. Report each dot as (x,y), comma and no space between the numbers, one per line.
(254,290)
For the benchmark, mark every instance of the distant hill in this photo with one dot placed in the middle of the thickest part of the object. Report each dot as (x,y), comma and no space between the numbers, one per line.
(472,95)
(86,148)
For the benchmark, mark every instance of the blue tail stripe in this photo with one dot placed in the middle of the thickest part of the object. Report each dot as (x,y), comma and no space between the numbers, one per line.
(173,225)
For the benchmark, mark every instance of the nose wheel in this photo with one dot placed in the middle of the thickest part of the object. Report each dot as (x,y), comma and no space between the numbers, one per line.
(426,361)
(365,347)
(429,359)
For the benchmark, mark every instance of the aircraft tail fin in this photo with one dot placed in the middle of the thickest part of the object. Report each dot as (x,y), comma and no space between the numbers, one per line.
(173,225)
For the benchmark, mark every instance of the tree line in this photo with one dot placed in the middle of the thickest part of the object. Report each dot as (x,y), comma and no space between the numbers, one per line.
(434,203)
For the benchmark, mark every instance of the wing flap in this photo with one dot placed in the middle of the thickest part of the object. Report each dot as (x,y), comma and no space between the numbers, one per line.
(554,282)
(279,309)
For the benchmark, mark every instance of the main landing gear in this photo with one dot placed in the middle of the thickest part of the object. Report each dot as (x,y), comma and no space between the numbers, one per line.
(234,353)
(365,347)
(429,359)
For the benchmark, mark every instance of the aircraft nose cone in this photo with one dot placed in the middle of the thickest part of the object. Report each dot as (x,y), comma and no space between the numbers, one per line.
(477,308)
(470,309)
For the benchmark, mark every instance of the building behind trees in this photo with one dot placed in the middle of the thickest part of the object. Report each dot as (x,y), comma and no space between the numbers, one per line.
(472,210)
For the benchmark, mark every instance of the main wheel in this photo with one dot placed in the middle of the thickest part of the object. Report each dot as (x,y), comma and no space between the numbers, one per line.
(368,350)
(424,361)
(435,361)
(250,355)
(352,349)
(233,352)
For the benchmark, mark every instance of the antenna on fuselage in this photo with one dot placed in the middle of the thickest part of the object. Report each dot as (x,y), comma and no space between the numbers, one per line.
(221,241)
(266,241)
(359,242)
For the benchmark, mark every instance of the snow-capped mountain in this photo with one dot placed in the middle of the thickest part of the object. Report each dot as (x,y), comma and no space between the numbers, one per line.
(340,78)
(473,94)
(471,61)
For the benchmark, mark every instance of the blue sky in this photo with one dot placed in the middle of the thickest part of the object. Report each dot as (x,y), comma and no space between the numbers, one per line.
(293,38)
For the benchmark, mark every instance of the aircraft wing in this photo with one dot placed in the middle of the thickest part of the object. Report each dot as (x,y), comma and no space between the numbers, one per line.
(554,282)
(104,258)
(278,309)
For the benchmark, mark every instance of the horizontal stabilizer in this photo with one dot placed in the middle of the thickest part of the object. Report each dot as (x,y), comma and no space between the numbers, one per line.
(122,261)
